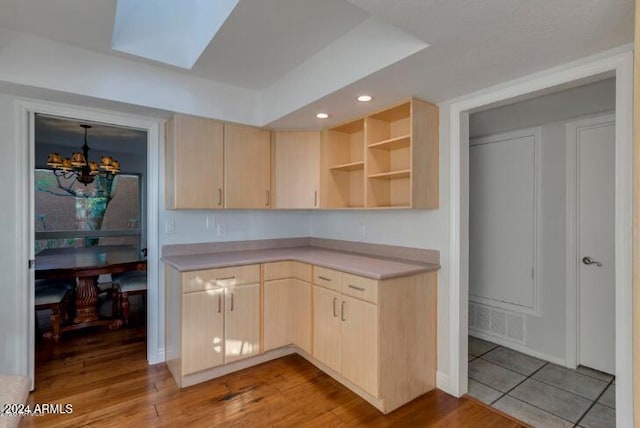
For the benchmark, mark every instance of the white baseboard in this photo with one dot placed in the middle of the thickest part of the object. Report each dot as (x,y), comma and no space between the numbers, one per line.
(519,347)
(442,382)
(158,357)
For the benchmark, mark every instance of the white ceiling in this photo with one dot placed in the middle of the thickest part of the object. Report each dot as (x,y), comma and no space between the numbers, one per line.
(56,131)
(472,45)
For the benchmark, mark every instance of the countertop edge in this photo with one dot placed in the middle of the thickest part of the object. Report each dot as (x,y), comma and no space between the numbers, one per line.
(412,268)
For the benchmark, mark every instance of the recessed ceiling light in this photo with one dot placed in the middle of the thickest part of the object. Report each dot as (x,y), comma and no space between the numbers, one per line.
(322,115)
(364,98)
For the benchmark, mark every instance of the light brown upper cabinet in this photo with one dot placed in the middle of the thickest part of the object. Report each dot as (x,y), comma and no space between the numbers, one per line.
(247,172)
(402,156)
(194,163)
(296,169)
(388,159)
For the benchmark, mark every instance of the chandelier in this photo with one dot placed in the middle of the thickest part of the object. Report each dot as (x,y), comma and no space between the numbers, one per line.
(84,170)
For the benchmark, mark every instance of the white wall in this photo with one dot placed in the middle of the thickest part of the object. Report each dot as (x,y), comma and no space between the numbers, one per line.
(12,307)
(191,226)
(586,99)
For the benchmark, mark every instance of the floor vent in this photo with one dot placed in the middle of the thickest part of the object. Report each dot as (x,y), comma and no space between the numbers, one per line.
(497,322)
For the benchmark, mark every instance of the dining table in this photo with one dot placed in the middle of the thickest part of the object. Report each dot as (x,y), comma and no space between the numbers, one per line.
(85,265)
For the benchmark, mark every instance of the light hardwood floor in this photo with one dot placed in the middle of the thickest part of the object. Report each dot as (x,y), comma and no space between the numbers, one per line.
(105,377)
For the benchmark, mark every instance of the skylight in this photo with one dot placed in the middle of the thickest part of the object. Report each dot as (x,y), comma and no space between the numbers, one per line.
(168,31)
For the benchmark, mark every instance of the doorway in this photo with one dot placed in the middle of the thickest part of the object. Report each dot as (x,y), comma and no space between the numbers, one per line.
(26,111)
(517,250)
(618,63)
(86,220)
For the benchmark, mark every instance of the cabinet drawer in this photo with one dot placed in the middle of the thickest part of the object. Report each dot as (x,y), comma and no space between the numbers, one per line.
(277,270)
(287,269)
(223,277)
(327,277)
(360,287)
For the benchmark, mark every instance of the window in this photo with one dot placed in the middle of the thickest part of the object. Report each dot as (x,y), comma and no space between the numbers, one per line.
(70,214)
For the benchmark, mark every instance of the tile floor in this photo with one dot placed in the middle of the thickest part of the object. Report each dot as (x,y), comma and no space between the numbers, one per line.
(537,392)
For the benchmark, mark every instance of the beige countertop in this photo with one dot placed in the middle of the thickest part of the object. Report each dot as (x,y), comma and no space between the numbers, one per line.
(357,264)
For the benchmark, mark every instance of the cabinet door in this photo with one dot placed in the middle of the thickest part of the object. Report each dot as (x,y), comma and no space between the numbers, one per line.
(194,162)
(300,307)
(277,313)
(327,327)
(360,343)
(202,330)
(296,169)
(247,152)
(242,322)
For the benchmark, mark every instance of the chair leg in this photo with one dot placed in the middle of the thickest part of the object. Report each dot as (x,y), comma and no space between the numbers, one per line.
(115,302)
(64,308)
(55,322)
(124,305)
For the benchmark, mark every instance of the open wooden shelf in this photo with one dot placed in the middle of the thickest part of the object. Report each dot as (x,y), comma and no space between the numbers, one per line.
(405,173)
(401,163)
(351,166)
(401,142)
(386,160)
(343,159)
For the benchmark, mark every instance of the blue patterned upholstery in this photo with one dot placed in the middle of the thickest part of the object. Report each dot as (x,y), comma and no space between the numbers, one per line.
(131,281)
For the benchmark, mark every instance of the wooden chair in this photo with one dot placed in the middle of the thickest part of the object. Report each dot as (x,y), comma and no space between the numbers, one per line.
(129,284)
(55,296)
(110,288)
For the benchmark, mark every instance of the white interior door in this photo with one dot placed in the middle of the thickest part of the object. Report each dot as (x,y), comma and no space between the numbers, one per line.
(596,270)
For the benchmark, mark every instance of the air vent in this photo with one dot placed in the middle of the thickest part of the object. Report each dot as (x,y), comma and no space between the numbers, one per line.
(496,322)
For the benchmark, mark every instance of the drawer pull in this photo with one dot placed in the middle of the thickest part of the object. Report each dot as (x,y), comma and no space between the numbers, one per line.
(335,300)
(342,310)
(324,278)
(356,288)
(226,278)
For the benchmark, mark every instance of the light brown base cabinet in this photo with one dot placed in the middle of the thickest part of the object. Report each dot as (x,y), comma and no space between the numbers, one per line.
(287,305)
(377,337)
(212,318)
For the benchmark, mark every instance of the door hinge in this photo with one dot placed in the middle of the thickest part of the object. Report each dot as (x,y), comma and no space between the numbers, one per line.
(32,264)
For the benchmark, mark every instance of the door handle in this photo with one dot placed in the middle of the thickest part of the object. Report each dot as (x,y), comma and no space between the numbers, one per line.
(335,300)
(589,261)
